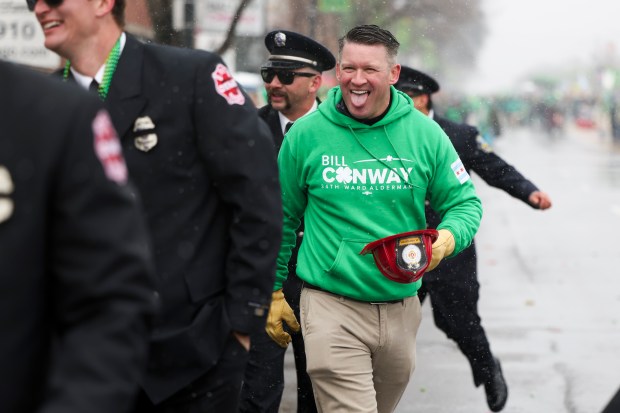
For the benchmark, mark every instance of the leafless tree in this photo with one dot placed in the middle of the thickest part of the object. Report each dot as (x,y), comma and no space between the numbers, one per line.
(445,36)
(230,34)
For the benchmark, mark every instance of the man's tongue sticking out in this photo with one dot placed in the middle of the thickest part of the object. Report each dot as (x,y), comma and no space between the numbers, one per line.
(358,98)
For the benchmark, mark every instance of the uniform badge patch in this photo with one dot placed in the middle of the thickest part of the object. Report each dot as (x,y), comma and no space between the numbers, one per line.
(144,127)
(411,256)
(6,189)
(108,148)
(459,171)
(226,86)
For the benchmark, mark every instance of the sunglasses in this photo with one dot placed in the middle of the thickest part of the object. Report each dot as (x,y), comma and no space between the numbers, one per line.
(286,76)
(51,3)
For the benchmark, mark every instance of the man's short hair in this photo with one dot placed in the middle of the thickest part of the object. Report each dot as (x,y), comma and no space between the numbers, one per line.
(370,34)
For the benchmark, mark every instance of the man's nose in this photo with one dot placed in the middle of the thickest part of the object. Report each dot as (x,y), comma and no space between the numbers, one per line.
(358,77)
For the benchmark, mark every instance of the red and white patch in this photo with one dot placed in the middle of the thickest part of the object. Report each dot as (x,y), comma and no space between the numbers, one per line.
(226,85)
(108,148)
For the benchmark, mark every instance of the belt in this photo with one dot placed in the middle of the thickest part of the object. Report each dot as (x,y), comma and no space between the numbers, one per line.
(314,287)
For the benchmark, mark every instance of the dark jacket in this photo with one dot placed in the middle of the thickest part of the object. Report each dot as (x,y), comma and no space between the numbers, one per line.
(76,280)
(477,156)
(212,200)
(271,117)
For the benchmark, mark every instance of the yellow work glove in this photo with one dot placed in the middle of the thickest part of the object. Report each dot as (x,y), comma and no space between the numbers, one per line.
(442,247)
(279,311)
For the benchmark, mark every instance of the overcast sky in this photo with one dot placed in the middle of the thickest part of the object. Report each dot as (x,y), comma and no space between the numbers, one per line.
(528,34)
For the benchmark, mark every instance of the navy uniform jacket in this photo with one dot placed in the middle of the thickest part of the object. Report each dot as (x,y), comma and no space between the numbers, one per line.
(271,117)
(477,156)
(205,166)
(76,280)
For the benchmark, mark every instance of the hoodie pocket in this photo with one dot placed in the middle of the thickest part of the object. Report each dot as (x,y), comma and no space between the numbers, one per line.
(348,260)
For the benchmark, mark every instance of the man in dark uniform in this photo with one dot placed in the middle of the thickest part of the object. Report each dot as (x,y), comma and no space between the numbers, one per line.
(205,166)
(453,286)
(292,76)
(76,278)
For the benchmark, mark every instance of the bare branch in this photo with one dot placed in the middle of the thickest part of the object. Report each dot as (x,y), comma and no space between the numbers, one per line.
(230,35)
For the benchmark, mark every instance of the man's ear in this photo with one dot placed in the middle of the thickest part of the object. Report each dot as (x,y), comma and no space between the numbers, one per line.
(104,7)
(394,73)
(316,83)
(424,99)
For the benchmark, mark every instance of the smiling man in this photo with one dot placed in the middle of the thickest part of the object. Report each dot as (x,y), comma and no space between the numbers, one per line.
(357,170)
(204,164)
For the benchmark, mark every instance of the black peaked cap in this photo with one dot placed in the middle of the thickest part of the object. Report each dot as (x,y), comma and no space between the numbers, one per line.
(290,50)
(416,81)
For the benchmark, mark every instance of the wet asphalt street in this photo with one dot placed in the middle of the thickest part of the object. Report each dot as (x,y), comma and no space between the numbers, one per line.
(550,287)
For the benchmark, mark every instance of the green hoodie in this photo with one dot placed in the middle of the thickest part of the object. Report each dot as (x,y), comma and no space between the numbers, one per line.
(354,183)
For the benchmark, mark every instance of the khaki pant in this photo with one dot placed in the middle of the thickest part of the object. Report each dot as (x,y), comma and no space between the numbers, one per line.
(360,356)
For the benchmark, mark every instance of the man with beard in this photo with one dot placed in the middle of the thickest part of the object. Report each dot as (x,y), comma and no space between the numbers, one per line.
(292,77)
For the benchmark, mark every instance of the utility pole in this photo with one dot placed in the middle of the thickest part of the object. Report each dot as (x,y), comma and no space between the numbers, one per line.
(312,18)
(188,30)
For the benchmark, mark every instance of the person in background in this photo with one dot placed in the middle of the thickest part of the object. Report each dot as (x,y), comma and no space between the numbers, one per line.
(351,169)
(614,404)
(453,287)
(77,288)
(204,164)
(292,76)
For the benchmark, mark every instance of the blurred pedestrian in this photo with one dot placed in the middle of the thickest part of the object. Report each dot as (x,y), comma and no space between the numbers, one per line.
(352,171)
(205,166)
(77,282)
(453,287)
(292,76)
(614,404)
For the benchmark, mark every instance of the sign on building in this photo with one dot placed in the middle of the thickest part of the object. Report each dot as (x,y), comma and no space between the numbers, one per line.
(216,16)
(21,37)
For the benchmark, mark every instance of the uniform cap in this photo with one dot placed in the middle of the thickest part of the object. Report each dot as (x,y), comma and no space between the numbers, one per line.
(415,81)
(290,50)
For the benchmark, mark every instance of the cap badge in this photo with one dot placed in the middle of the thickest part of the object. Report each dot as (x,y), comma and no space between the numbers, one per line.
(280,39)
(411,256)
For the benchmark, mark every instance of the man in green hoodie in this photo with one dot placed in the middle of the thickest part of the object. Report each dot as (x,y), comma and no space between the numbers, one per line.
(359,169)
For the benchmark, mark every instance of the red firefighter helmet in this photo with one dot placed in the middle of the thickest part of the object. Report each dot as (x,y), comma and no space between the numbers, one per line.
(403,257)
